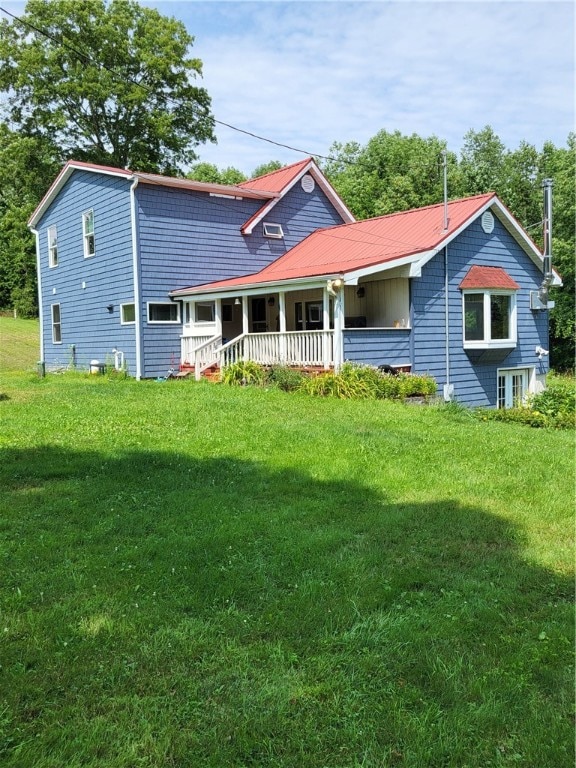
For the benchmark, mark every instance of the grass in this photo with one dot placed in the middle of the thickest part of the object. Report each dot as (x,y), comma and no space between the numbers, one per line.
(198,575)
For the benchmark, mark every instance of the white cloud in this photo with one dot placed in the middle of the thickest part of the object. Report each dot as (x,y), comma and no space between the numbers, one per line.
(311,73)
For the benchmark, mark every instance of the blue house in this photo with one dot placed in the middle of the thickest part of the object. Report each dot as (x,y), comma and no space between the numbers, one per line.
(159,274)
(112,244)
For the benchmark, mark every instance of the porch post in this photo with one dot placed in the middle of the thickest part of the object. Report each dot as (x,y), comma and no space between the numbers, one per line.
(326,351)
(245,325)
(282,325)
(218,316)
(338,328)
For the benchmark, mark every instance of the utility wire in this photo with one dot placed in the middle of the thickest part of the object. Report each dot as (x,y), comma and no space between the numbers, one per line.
(87,58)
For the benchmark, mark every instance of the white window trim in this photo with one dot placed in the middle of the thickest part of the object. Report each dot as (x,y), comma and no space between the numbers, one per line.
(267,228)
(163,322)
(54,324)
(86,235)
(487,342)
(127,322)
(52,262)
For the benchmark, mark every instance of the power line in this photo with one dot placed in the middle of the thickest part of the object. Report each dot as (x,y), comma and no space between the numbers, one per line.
(87,58)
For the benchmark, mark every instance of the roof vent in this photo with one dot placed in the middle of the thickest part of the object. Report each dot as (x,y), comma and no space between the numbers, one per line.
(308,183)
(487,222)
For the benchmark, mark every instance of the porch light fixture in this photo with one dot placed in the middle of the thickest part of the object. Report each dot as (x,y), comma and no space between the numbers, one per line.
(361,292)
(271,301)
(237,302)
(110,308)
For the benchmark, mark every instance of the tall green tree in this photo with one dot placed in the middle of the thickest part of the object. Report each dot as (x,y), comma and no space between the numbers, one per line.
(28,164)
(391,173)
(211,173)
(109,82)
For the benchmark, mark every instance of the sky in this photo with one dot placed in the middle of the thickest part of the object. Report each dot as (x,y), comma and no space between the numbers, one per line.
(308,74)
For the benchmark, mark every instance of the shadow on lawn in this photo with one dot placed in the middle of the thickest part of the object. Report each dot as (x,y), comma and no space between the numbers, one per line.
(219,574)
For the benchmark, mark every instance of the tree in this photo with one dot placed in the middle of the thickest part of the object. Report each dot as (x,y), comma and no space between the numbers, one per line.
(270,167)
(27,166)
(211,173)
(108,82)
(391,173)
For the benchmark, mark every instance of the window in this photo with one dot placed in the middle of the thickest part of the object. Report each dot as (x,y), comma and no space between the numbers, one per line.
(205,312)
(52,247)
(512,387)
(88,232)
(489,319)
(273,230)
(127,314)
(227,313)
(167,312)
(56,325)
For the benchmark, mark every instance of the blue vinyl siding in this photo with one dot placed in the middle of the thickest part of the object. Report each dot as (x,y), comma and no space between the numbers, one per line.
(188,238)
(473,374)
(86,324)
(375,346)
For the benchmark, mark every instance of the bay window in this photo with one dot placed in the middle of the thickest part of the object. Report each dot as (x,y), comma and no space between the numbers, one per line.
(489,319)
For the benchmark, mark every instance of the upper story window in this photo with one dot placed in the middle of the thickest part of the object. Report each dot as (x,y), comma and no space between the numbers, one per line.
(52,246)
(163,312)
(88,233)
(273,230)
(489,319)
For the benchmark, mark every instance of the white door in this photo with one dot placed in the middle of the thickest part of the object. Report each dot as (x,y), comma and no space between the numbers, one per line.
(512,387)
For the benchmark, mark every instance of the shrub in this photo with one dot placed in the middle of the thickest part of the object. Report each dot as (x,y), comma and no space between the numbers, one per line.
(554,407)
(243,372)
(285,378)
(559,397)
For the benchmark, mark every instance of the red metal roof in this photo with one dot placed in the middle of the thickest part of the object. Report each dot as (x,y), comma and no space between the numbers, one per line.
(350,247)
(489,277)
(276,181)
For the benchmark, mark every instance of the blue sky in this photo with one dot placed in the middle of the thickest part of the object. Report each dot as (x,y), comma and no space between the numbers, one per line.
(308,74)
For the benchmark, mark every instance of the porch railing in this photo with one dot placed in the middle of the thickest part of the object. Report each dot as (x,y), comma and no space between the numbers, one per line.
(206,354)
(189,346)
(301,348)
(305,348)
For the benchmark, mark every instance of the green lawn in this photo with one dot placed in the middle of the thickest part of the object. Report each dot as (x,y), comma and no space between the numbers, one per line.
(196,575)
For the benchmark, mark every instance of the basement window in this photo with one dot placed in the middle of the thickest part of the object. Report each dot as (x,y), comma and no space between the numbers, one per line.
(56,325)
(273,230)
(127,314)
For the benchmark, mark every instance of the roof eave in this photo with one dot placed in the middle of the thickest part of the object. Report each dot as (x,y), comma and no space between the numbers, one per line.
(61,180)
(248,227)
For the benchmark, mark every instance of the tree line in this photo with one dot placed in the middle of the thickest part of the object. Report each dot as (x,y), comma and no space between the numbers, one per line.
(114,83)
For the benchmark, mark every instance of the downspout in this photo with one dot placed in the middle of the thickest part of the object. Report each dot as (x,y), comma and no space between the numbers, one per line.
(40,307)
(448,388)
(548,274)
(136,275)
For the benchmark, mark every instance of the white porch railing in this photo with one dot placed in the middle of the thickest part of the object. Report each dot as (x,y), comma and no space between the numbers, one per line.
(189,345)
(301,348)
(206,354)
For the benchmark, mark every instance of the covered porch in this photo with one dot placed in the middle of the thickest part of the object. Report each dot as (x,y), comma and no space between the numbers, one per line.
(307,324)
